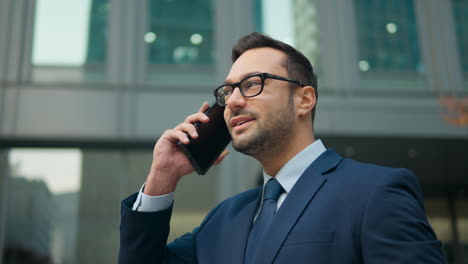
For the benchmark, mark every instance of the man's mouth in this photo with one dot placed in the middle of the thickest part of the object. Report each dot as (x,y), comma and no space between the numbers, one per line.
(241,121)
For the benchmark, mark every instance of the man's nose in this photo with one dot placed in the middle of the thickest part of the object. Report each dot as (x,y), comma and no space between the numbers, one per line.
(236,100)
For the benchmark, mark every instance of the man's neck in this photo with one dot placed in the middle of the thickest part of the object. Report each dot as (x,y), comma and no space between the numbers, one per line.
(273,161)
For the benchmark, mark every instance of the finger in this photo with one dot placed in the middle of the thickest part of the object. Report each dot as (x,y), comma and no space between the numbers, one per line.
(204,107)
(197,117)
(188,128)
(182,137)
(174,135)
(221,157)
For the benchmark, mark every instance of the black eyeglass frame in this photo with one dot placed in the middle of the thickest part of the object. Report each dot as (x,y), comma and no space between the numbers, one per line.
(263,76)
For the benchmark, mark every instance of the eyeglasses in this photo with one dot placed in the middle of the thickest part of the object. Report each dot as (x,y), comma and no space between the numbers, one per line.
(250,86)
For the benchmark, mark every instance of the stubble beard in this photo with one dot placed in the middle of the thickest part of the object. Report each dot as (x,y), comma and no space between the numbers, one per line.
(270,135)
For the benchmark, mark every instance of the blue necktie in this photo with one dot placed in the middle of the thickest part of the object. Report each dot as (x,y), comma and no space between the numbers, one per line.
(259,229)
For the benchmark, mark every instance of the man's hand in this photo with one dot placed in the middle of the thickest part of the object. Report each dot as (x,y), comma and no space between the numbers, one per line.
(169,162)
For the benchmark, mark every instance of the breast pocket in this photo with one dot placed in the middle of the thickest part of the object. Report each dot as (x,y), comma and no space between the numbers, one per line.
(308,247)
(319,237)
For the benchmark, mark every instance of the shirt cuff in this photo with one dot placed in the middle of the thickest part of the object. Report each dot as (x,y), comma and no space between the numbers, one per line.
(147,203)
(156,203)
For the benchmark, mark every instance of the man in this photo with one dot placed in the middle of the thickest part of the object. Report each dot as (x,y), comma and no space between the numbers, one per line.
(316,207)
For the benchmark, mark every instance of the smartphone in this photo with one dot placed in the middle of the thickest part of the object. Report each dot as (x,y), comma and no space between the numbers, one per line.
(213,137)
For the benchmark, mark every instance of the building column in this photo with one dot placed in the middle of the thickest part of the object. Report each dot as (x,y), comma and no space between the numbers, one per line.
(126,47)
(16,42)
(232,20)
(439,46)
(127,57)
(338,45)
(16,37)
(4,174)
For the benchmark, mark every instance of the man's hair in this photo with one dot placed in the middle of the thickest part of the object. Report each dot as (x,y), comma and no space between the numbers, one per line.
(297,65)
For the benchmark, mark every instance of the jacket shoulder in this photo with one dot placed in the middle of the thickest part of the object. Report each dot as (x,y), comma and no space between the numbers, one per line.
(370,171)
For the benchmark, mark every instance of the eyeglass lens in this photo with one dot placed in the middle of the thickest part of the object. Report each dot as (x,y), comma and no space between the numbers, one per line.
(249,87)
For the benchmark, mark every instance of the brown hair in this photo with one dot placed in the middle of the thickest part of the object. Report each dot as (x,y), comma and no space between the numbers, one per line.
(297,65)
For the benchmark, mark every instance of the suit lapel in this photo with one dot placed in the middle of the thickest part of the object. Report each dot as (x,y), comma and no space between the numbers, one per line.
(238,228)
(297,200)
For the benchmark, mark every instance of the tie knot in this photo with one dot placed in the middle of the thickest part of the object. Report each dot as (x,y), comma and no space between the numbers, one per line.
(272,190)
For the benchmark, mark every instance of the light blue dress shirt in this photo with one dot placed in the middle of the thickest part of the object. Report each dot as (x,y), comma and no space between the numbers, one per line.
(287,177)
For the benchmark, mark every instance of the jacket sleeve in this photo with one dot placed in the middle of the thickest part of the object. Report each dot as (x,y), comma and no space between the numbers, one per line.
(143,238)
(395,228)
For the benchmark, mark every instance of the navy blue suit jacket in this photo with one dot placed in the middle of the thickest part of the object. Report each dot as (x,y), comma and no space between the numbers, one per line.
(339,211)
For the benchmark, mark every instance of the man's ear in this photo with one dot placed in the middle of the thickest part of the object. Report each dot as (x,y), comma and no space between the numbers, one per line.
(306,100)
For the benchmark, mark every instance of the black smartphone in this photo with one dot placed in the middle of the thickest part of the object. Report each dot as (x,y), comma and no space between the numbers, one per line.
(213,137)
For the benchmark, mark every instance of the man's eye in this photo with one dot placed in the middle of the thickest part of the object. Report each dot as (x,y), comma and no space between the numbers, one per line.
(227,92)
(251,84)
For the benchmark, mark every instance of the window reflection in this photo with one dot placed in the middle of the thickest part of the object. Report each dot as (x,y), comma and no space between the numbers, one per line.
(387,35)
(460,11)
(180,36)
(42,205)
(388,44)
(448,216)
(97,34)
(180,32)
(61,32)
(461,209)
(439,217)
(70,40)
(298,25)
(63,205)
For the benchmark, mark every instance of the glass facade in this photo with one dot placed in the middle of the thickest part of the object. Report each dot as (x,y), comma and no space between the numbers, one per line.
(180,41)
(389,49)
(63,205)
(71,44)
(448,217)
(180,32)
(42,193)
(298,25)
(460,12)
(97,34)
(70,41)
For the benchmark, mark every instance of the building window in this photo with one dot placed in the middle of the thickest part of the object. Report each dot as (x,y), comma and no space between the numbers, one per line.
(70,41)
(297,27)
(42,205)
(63,205)
(97,33)
(460,11)
(180,41)
(389,50)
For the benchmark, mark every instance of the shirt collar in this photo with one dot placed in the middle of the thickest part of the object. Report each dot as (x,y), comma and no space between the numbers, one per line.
(293,169)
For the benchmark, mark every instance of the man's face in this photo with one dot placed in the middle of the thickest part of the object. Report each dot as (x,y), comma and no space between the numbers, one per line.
(260,124)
